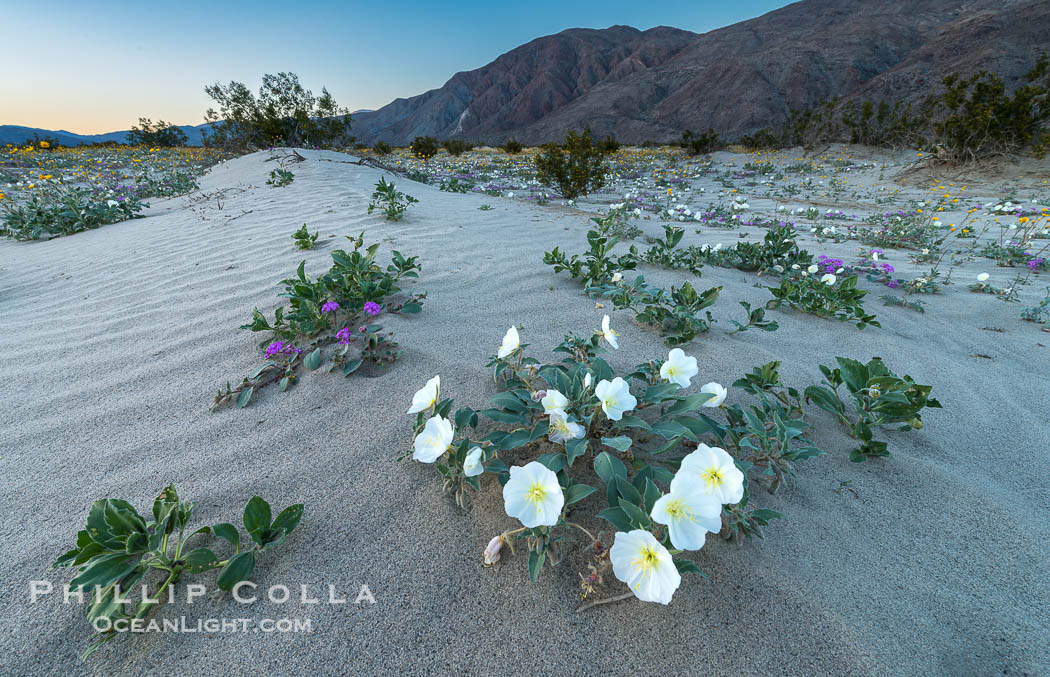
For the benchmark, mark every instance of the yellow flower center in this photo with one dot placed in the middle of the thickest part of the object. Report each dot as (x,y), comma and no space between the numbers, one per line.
(672,370)
(647,559)
(713,477)
(536,493)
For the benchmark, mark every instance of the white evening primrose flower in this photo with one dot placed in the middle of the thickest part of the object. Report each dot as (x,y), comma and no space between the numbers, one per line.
(562,429)
(689,513)
(587,381)
(640,561)
(717,390)
(982,277)
(554,401)
(511,342)
(713,470)
(812,269)
(679,368)
(616,277)
(533,495)
(472,463)
(434,440)
(608,334)
(828,279)
(616,397)
(426,396)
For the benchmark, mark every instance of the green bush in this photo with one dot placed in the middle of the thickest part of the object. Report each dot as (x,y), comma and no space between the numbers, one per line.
(456,146)
(574,168)
(982,120)
(424,147)
(159,133)
(283,114)
(610,144)
(382,148)
(512,147)
(699,144)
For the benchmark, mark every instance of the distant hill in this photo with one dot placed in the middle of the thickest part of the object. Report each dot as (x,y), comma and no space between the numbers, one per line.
(16,134)
(654,84)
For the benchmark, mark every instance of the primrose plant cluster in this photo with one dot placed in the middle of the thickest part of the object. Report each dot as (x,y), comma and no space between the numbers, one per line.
(672,466)
(331,321)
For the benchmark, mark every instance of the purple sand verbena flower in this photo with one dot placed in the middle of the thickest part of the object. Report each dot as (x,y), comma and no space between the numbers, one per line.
(343,335)
(372,308)
(329,307)
(274,348)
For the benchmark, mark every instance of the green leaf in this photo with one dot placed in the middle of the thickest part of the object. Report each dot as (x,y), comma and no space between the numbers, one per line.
(352,366)
(689,403)
(686,566)
(627,490)
(535,564)
(245,396)
(618,443)
(577,493)
(228,532)
(257,518)
(313,360)
(104,570)
(618,518)
(289,518)
(515,439)
(608,467)
(201,560)
(575,449)
(651,495)
(553,461)
(635,514)
(239,568)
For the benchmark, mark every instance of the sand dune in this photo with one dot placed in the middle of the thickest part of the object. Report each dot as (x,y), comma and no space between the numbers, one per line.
(115,340)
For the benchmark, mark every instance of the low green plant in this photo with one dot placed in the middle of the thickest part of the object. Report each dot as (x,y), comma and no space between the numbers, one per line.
(337,308)
(119,548)
(596,266)
(916,305)
(456,185)
(574,168)
(755,319)
(1040,314)
(676,313)
(303,239)
(555,428)
(391,201)
(280,177)
(456,147)
(879,397)
(381,148)
(839,299)
(59,210)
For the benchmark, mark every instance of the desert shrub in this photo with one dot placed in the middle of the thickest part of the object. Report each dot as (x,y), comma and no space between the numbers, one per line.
(340,308)
(424,147)
(763,139)
(456,147)
(60,210)
(982,120)
(880,397)
(283,114)
(118,548)
(597,265)
(382,148)
(391,201)
(700,144)
(610,144)
(574,168)
(159,133)
(456,185)
(512,147)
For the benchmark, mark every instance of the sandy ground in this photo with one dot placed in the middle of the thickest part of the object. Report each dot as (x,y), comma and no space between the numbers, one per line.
(116,339)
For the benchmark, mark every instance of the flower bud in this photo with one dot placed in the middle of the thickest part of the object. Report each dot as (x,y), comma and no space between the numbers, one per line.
(492,550)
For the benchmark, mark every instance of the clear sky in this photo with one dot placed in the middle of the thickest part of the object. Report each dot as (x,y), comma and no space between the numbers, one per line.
(92,67)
